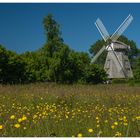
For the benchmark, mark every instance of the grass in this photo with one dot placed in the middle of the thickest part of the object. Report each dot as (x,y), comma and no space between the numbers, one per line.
(70,110)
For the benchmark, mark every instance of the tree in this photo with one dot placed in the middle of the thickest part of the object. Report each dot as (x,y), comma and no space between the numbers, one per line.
(94,74)
(3,63)
(136,70)
(11,67)
(53,34)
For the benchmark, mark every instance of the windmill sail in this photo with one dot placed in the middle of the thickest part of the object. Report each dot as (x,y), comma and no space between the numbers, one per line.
(122,28)
(102,29)
(98,54)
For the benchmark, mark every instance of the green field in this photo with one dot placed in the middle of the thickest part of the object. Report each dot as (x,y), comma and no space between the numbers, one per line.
(70,110)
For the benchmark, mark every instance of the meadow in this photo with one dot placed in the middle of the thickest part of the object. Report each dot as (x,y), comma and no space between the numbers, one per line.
(52,110)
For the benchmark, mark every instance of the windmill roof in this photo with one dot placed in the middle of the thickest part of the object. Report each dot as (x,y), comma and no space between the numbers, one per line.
(120,45)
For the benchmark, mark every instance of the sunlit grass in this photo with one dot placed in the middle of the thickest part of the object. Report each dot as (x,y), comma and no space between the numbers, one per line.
(69,111)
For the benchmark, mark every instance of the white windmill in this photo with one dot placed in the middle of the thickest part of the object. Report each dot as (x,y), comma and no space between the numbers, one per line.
(117,64)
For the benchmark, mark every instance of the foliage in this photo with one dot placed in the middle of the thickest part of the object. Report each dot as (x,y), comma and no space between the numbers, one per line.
(11,67)
(137,70)
(54,62)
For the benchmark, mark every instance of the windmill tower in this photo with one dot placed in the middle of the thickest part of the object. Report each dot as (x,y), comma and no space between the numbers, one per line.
(117,64)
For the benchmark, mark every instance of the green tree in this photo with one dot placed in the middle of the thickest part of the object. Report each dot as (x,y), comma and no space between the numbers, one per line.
(11,67)
(136,70)
(94,74)
(53,34)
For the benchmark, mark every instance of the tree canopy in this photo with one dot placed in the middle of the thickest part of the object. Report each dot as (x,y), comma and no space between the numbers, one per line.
(57,62)
(54,62)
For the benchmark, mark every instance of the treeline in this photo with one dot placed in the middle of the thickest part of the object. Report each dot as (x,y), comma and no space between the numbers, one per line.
(57,62)
(54,62)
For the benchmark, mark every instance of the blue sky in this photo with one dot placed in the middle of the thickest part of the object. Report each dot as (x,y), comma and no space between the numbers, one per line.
(21,27)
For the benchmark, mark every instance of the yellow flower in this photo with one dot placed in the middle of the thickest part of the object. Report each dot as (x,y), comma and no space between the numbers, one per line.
(20,120)
(79,135)
(97,118)
(124,117)
(35,116)
(1,127)
(17,125)
(24,118)
(138,117)
(90,130)
(115,123)
(98,125)
(12,117)
(66,116)
(106,121)
(118,134)
(112,126)
(125,124)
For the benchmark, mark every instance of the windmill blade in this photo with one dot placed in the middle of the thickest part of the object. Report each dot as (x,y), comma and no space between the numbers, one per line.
(117,62)
(122,28)
(98,54)
(101,28)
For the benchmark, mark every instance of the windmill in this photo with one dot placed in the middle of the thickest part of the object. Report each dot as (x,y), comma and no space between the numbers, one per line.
(117,64)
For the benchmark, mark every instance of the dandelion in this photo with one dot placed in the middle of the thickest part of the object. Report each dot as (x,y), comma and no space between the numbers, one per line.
(138,117)
(118,134)
(112,126)
(24,118)
(1,127)
(79,135)
(90,130)
(97,118)
(115,123)
(124,117)
(125,124)
(17,125)
(106,121)
(98,125)
(20,120)
(12,117)
(66,116)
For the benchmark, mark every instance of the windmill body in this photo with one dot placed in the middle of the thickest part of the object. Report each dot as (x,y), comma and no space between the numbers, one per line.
(118,66)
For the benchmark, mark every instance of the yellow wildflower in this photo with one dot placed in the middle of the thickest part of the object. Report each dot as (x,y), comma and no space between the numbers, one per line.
(97,118)
(66,116)
(20,120)
(24,118)
(118,134)
(115,123)
(12,117)
(90,130)
(138,117)
(124,117)
(112,126)
(125,124)
(17,125)
(98,125)
(79,135)
(35,116)
(1,127)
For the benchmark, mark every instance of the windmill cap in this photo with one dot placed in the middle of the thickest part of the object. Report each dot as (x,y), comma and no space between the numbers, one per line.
(120,45)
